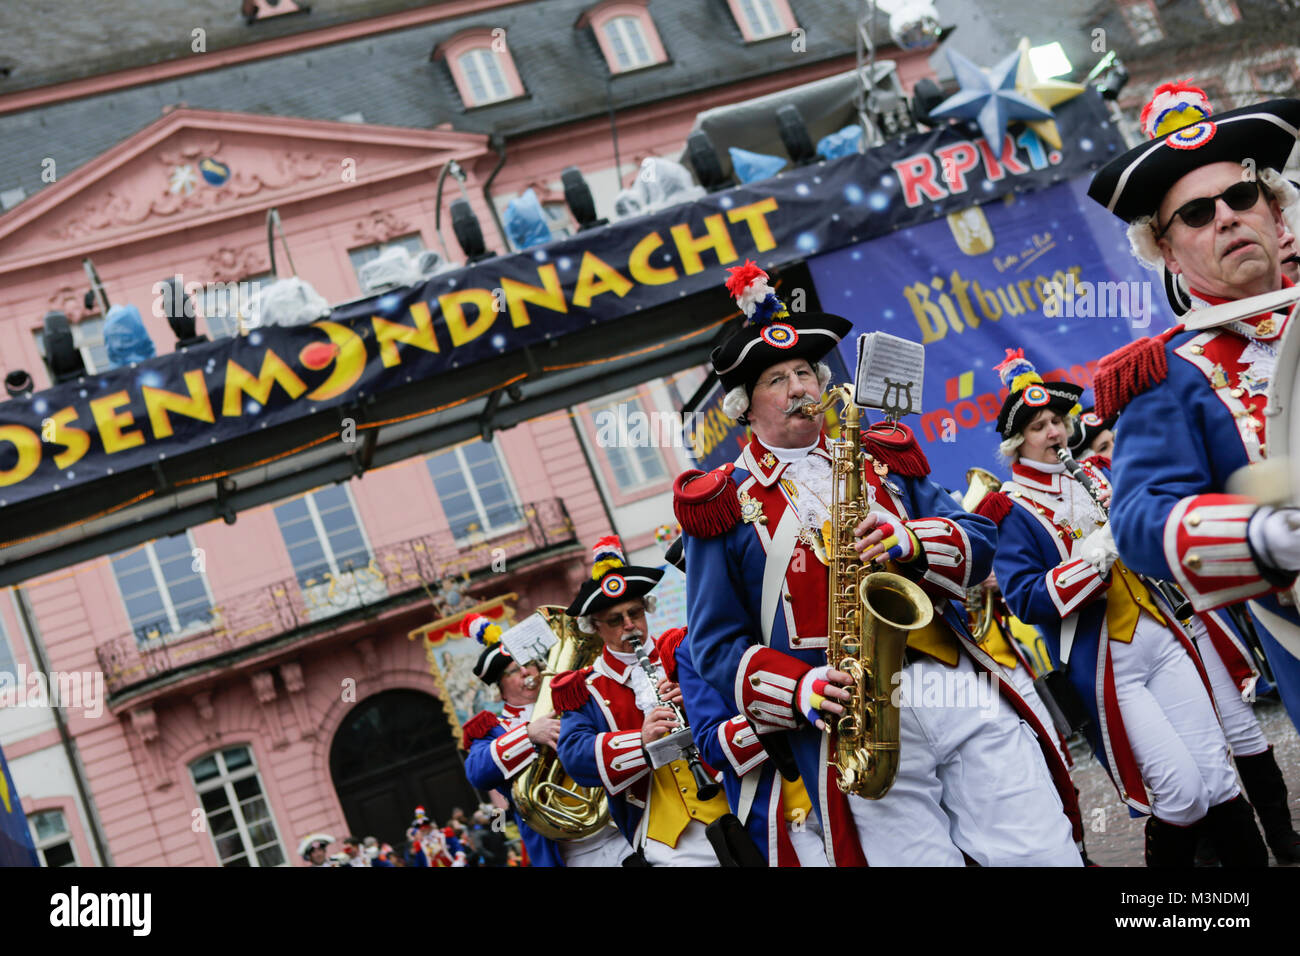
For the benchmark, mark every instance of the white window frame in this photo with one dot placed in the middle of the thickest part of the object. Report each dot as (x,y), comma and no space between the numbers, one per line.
(368,588)
(52,841)
(625,29)
(639,476)
(474,66)
(164,591)
(226,779)
(1216,10)
(484,530)
(756,13)
(84,342)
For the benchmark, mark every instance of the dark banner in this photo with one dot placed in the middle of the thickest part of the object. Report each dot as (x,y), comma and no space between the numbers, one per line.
(213,394)
(15,839)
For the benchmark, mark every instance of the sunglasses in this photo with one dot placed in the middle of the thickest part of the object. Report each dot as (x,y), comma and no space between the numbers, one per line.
(632,616)
(1200,212)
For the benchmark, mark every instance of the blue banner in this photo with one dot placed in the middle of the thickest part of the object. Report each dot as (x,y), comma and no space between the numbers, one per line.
(16,847)
(1049,272)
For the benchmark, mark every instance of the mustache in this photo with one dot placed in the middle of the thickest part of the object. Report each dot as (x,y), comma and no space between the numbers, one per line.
(801,402)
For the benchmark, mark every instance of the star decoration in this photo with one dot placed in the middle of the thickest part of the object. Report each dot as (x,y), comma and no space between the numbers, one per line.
(1045,92)
(182,180)
(989,98)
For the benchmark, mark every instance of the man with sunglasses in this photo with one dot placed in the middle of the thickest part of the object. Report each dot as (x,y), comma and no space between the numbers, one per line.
(612,710)
(1205,199)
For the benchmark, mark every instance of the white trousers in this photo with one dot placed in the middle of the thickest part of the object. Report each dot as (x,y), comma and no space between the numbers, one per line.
(1170,723)
(971,778)
(607,848)
(806,838)
(1240,727)
(693,849)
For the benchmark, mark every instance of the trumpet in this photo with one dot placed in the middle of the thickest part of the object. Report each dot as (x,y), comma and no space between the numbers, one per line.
(1172,595)
(678,745)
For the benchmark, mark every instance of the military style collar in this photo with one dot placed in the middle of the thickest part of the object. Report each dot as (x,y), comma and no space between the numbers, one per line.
(765,466)
(1036,478)
(610,666)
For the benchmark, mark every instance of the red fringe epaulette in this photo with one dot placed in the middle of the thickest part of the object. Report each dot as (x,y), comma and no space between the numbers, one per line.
(478,726)
(706,503)
(1100,461)
(995,506)
(569,690)
(668,643)
(1129,371)
(896,447)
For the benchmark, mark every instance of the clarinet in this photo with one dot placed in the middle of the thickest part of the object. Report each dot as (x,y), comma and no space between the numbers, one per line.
(679,744)
(1170,592)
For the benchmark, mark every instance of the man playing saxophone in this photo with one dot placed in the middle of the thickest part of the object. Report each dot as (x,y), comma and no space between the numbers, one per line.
(500,747)
(974,782)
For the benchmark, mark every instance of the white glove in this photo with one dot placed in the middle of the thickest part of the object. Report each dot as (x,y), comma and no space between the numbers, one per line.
(1099,550)
(1275,537)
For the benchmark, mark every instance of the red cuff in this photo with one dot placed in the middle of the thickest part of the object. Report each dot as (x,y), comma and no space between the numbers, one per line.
(740,744)
(765,689)
(1208,552)
(947,552)
(621,760)
(513,751)
(1073,584)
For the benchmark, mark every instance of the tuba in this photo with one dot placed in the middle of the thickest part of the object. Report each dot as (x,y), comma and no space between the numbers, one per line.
(547,798)
(979,599)
(872,612)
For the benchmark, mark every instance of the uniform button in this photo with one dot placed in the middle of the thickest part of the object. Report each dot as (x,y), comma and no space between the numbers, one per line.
(683,789)
(1196,350)
(1237,392)
(787,597)
(755,681)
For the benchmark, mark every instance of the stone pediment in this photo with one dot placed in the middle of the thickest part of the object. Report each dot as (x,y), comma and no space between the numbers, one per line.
(194,167)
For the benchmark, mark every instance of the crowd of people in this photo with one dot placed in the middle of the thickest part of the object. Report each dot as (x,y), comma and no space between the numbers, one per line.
(475,841)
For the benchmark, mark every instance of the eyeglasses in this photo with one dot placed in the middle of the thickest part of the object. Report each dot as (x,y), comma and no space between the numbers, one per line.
(1200,212)
(616,620)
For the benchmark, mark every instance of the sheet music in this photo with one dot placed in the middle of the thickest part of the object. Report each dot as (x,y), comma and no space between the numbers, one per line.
(890,370)
(529,640)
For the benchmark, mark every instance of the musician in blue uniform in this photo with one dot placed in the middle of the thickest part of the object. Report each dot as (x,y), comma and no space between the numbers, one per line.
(1204,199)
(500,747)
(1152,720)
(976,776)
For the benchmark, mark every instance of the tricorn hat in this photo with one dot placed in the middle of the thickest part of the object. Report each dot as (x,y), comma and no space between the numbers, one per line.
(1029,394)
(613,580)
(1185,137)
(771,334)
(1089,426)
(494,660)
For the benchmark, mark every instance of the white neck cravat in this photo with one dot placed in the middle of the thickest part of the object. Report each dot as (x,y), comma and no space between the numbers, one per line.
(646,698)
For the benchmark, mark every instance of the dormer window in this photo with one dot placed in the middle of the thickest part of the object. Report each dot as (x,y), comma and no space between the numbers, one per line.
(482,67)
(626,35)
(762,19)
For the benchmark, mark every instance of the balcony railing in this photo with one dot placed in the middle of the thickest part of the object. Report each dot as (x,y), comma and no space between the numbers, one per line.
(260,615)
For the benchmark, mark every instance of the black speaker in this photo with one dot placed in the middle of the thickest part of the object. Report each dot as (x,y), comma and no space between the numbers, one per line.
(468,232)
(62,357)
(705,162)
(794,134)
(577,195)
(926,95)
(18,383)
(179,309)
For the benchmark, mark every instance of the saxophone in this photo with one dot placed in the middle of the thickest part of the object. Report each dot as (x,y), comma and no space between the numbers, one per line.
(547,798)
(872,612)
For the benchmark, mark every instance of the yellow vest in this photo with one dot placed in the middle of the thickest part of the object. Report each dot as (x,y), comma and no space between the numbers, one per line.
(674,804)
(1125,602)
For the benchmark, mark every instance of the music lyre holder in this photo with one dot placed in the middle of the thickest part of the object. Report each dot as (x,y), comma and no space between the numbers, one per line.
(894,410)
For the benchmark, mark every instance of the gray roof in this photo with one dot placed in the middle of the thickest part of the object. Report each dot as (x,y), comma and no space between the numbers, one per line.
(391,80)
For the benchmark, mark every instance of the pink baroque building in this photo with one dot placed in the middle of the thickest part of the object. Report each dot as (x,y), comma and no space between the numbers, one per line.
(245,684)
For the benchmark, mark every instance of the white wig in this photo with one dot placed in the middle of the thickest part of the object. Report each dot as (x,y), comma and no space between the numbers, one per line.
(588,626)
(736,402)
(1287,196)
(1142,241)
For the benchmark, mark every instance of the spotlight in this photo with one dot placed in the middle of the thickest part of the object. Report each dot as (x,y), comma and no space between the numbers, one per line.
(794,134)
(1113,82)
(468,232)
(61,355)
(18,383)
(179,309)
(704,159)
(577,195)
(926,95)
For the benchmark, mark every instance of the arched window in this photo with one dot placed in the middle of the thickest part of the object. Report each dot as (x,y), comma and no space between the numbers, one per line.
(626,35)
(761,19)
(482,67)
(236,812)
